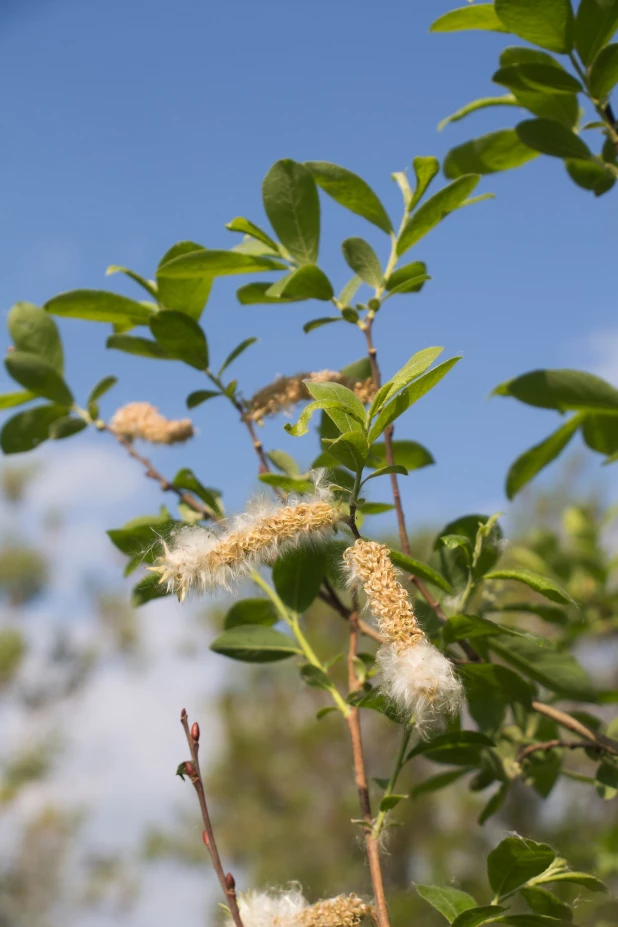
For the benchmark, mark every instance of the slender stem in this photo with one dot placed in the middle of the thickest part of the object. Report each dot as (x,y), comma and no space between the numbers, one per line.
(605,112)
(257,444)
(362,787)
(345,613)
(553,744)
(153,474)
(225,880)
(392,782)
(572,724)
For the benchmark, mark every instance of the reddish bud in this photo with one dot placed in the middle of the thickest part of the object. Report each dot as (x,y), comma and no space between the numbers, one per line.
(195,731)
(230,882)
(183,714)
(205,838)
(190,770)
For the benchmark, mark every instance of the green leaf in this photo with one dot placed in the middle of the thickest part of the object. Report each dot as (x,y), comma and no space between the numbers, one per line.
(147,589)
(435,209)
(408,454)
(147,285)
(292,204)
(302,425)
(286,483)
(318,323)
(186,479)
(551,138)
(532,920)
(307,282)
(206,264)
(391,801)
(541,584)
(489,681)
(240,224)
(26,430)
(422,570)
(480,915)
(548,23)
(351,191)
(254,643)
(600,432)
(254,294)
(238,350)
(250,611)
(417,365)
(139,539)
(376,701)
(39,377)
(563,390)
(102,387)
(480,16)
(425,169)
(515,861)
(413,274)
(66,427)
(604,72)
(33,331)
(494,804)
(98,306)
(180,337)
(315,677)
(384,471)
(298,575)
(462,627)
(497,151)
(336,392)
(576,878)
(435,783)
(200,396)
(543,902)
(411,394)
(475,105)
(534,75)
(557,670)
(284,462)
(361,257)
(595,23)
(142,347)
(540,456)
(590,175)
(447,900)
(349,449)
(10,400)
(457,748)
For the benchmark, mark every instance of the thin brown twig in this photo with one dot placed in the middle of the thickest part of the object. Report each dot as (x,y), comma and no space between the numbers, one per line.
(553,744)
(337,605)
(152,473)
(360,775)
(572,724)
(226,880)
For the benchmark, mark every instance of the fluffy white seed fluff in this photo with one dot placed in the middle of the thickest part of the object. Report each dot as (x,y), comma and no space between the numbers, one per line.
(201,559)
(421,682)
(274,908)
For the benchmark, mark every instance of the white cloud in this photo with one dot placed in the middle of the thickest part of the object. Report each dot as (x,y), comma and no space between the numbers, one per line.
(604,347)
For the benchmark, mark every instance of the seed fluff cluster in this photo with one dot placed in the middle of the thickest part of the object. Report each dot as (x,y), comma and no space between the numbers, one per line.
(286,392)
(288,908)
(141,420)
(200,559)
(415,675)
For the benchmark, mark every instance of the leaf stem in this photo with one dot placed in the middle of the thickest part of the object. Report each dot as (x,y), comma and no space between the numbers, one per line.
(392,782)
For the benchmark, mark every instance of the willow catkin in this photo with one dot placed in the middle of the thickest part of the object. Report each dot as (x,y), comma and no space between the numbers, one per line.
(285,392)
(143,420)
(418,678)
(201,559)
(289,908)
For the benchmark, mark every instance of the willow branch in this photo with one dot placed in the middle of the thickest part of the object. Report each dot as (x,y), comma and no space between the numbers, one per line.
(597,740)
(362,787)
(553,744)
(152,473)
(226,880)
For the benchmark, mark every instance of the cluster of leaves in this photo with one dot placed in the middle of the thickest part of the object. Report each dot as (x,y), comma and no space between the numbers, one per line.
(539,82)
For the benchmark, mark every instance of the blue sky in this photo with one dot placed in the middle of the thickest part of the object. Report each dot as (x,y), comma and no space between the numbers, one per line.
(131,125)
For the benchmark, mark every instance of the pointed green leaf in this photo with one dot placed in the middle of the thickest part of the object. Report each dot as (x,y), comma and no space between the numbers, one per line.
(180,337)
(515,861)
(250,611)
(147,285)
(66,427)
(102,387)
(361,257)
(548,23)
(420,569)
(477,16)
(98,306)
(447,900)
(562,390)
(185,294)
(595,23)
(254,643)
(318,323)
(33,331)
(292,204)
(541,584)
(10,400)
(425,169)
(39,377)
(26,430)
(256,294)
(418,364)
(557,670)
(590,175)
(351,191)
(238,350)
(298,575)
(200,396)
(385,471)
(142,347)
(497,151)
(414,274)
(481,915)
(409,454)
(475,105)
(307,282)
(537,76)
(206,264)
(435,783)
(186,479)
(551,138)
(286,483)
(240,224)
(540,456)
(543,902)
(349,449)
(435,209)
(336,392)
(604,72)
(576,878)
